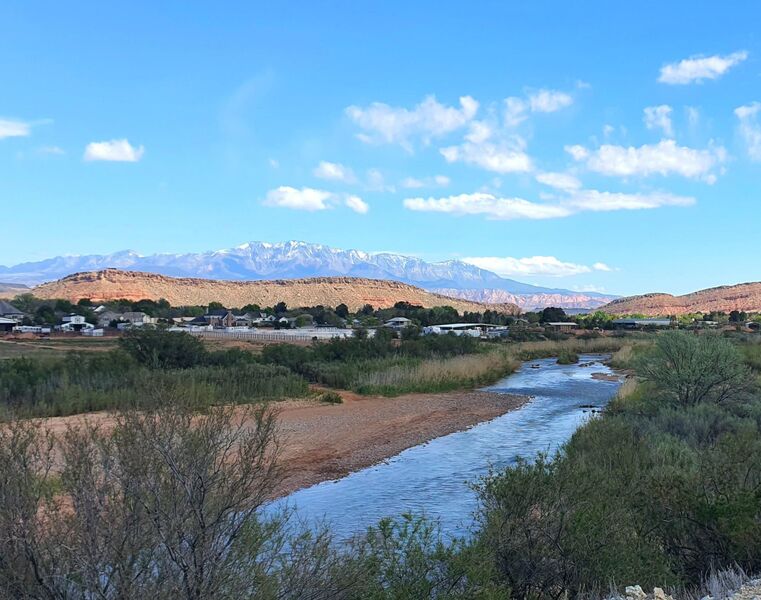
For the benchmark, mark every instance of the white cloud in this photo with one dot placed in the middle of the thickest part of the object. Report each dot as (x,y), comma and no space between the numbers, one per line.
(540,101)
(486,204)
(572,202)
(560,181)
(532,265)
(312,200)
(577,151)
(357,204)
(308,199)
(502,157)
(13,128)
(659,117)
(693,115)
(547,101)
(274,163)
(113,150)
(607,130)
(750,128)
(698,68)
(596,201)
(412,183)
(663,158)
(429,119)
(376,182)
(334,172)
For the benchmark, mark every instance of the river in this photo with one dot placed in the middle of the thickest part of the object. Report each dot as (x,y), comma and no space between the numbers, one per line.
(435,478)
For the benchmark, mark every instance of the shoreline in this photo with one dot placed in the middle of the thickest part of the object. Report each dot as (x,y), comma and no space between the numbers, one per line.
(326,442)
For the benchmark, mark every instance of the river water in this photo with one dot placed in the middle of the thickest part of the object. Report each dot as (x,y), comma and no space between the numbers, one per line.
(435,478)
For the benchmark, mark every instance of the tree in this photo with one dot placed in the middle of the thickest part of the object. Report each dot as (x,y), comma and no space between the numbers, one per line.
(552,314)
(281,308)
(158,349)
(737,316)
(690,369)
(215,306)
(342,311)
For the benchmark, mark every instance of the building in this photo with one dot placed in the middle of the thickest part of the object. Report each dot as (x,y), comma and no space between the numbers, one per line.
(469,329)
(398,323)
(75,323)
(641,323)
(8,311)
(137,318)
(7,325)
(561,326)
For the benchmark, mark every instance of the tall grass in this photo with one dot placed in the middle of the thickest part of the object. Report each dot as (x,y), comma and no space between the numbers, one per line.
(44,388)
(438,374)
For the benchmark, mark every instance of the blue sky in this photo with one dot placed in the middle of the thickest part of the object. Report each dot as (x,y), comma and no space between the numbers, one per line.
(588,146)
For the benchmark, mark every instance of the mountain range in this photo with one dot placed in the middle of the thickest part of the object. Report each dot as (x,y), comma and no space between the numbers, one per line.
(294,259)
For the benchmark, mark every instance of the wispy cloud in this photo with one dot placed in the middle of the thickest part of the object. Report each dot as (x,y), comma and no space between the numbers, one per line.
(425,182)
(517,108)
(14,128)
(572,202)
(429,119)
(750,128)
(356,204)
(334,172)
(114,151)
(560,181)
(487,205)
(659,117)
(699,68)
(663,158)
(533,265)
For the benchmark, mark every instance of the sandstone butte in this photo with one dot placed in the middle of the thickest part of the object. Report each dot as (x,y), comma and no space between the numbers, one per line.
(745,297)
(355,292)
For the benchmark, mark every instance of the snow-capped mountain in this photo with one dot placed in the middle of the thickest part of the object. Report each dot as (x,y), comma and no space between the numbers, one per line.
(285,260)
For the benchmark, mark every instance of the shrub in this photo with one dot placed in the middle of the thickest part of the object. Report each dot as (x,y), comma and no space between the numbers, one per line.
(331,398)
(157,349)
(566,357)
(689,369)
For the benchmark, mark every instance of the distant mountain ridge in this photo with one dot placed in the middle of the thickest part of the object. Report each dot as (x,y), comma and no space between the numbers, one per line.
(294,259)
(745,297)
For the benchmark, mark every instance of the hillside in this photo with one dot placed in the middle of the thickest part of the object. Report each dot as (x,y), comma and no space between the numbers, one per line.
(9,290)
(112,284)
(743,296)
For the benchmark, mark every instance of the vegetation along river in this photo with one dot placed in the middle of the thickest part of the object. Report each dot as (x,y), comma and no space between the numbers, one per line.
(435,478)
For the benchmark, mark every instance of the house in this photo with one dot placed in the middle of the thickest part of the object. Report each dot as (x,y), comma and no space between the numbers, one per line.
(7,325)
(8,311)
(75,323)
(106,317)
(561,326)
(137,318)
(398,323)
(641,323)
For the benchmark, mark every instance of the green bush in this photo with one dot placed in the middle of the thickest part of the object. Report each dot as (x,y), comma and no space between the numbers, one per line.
(331,398)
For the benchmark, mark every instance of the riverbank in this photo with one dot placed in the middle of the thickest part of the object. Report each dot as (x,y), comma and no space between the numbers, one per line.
(324,442)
